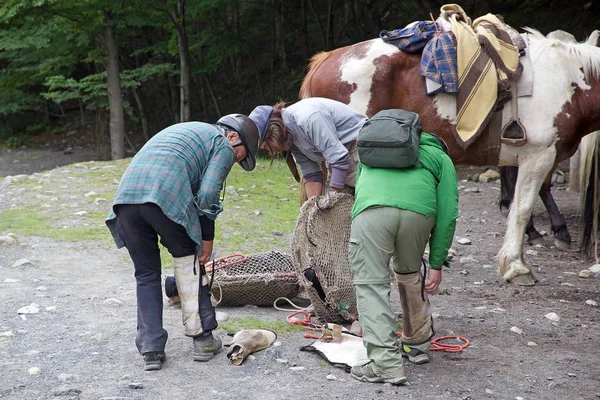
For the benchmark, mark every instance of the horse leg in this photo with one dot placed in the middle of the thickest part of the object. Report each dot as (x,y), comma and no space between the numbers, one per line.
(533,170)
(562,238)
(508,180)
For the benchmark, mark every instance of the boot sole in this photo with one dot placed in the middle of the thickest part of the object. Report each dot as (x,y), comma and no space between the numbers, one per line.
(420,359)
(392,381)
(203,357)
(153,366)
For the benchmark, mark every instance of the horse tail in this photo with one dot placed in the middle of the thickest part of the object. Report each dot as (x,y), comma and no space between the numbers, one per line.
(315,62)
(589,183)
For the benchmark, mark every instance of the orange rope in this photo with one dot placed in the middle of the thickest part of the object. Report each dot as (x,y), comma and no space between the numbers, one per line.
(436,344)
(234,259)
(306,322)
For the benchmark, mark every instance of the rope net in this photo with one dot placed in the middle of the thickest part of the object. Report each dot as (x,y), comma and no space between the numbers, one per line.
(320,256)
(257,279)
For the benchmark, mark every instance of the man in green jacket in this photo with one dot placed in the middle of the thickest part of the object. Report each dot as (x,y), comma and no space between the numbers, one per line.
(395,214)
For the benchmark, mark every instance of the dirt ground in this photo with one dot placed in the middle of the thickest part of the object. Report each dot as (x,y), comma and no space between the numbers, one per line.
(82,339)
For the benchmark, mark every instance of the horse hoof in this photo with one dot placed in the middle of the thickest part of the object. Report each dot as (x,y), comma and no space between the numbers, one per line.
(540,240)
(524,280)
(562,245)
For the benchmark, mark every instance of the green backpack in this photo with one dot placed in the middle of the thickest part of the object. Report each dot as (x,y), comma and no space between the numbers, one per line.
(390,139)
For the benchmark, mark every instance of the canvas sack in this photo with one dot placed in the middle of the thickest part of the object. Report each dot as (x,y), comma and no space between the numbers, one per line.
(390,139)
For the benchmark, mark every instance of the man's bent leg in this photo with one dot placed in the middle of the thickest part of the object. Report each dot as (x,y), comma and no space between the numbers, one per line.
(142,243)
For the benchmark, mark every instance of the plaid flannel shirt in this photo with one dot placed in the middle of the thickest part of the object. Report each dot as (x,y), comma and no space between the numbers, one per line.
(438,61)
(181,169)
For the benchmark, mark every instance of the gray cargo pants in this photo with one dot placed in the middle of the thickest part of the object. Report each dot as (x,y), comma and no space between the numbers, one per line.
(377,235)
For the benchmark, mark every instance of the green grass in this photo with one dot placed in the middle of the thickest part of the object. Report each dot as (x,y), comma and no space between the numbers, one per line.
(47,201)
(237,324)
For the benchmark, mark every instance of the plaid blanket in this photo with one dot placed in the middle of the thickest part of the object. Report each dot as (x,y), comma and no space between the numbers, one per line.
(438,61)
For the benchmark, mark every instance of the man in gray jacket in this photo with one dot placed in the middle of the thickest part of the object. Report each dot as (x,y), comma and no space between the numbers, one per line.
(314,130)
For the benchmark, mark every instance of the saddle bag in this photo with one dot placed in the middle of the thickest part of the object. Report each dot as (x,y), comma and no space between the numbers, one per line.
(390,139)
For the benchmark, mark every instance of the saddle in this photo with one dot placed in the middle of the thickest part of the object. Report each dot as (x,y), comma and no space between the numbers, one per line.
(479,61)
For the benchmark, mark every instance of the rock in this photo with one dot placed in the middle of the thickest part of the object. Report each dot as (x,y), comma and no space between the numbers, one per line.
(65,377)
(489,176)
(89,194)
(22,262)
(277,233)
(516,330)
(33,308)
(464,241)
(8,240)
(531,344)
(474,177)
(586,273)
(257,212)
(464,260)
(270,182)
(80,213)
(6,334)
(331,377)
(591,303)
(558,177)
(222,316)
(66,391)
(112,300)
(50,308)
(97,337)
(284,199)
(464,271)
(281,360)
(531,253)
(41,288)
(273,352)
(552,317)
(472,190)
(570,374)
(297,368)
(135,385)
(34,371)
(230,190)
(100,200)
(595,268)
(11,280)
(567,284)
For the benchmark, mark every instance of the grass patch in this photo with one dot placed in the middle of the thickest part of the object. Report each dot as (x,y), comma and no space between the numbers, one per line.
(237,324)
(260,203)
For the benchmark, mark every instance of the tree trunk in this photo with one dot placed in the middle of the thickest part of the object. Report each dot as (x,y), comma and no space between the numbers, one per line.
(101,135)
(115,101)
(184,63)
(212,95)
(142,111)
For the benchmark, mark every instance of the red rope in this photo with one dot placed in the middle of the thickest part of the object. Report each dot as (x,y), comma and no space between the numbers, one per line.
(233,259)
(306,322)
(436,344)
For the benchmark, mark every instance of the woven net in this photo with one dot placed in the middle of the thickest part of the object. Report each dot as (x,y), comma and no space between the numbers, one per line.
(320,248)
(257,279)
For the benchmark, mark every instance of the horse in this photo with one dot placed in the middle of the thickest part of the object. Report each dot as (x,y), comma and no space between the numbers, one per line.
(508,179)
(564,107)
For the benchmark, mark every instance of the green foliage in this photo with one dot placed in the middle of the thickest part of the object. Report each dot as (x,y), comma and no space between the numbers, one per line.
(13,142)
(235,325)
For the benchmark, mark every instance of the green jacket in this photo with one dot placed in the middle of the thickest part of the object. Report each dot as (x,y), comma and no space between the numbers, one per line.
(416,189)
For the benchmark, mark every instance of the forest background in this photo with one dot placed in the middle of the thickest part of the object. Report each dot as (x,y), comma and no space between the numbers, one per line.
(118,71)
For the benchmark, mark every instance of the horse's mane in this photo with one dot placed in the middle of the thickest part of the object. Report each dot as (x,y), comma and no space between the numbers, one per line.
(315,62)
(587,52)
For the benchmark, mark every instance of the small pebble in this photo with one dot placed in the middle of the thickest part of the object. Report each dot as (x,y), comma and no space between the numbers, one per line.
(591,303)
(516,330)
(331,377)
(34,371)
(570,374)
(135,385)
(531,344)
(552,317)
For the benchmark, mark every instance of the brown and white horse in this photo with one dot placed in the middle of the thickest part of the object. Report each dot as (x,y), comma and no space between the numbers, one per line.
(565,106)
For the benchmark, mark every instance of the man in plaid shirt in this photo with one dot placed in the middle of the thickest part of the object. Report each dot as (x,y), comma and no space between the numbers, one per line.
(171,189)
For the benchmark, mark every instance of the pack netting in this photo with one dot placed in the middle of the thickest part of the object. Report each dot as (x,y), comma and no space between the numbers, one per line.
(257,279)
(320,256)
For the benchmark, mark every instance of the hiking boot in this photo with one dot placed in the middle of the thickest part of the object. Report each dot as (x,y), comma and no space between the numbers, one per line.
(416,353)
(153,360)
(206,348)
(365,373)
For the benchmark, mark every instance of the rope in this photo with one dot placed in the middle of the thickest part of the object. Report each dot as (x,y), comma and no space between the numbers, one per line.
(295,307)
(306,322)
(437,345)
(241,258)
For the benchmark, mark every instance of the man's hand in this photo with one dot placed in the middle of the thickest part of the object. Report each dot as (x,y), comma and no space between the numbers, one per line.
(207,248)
(434,278)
